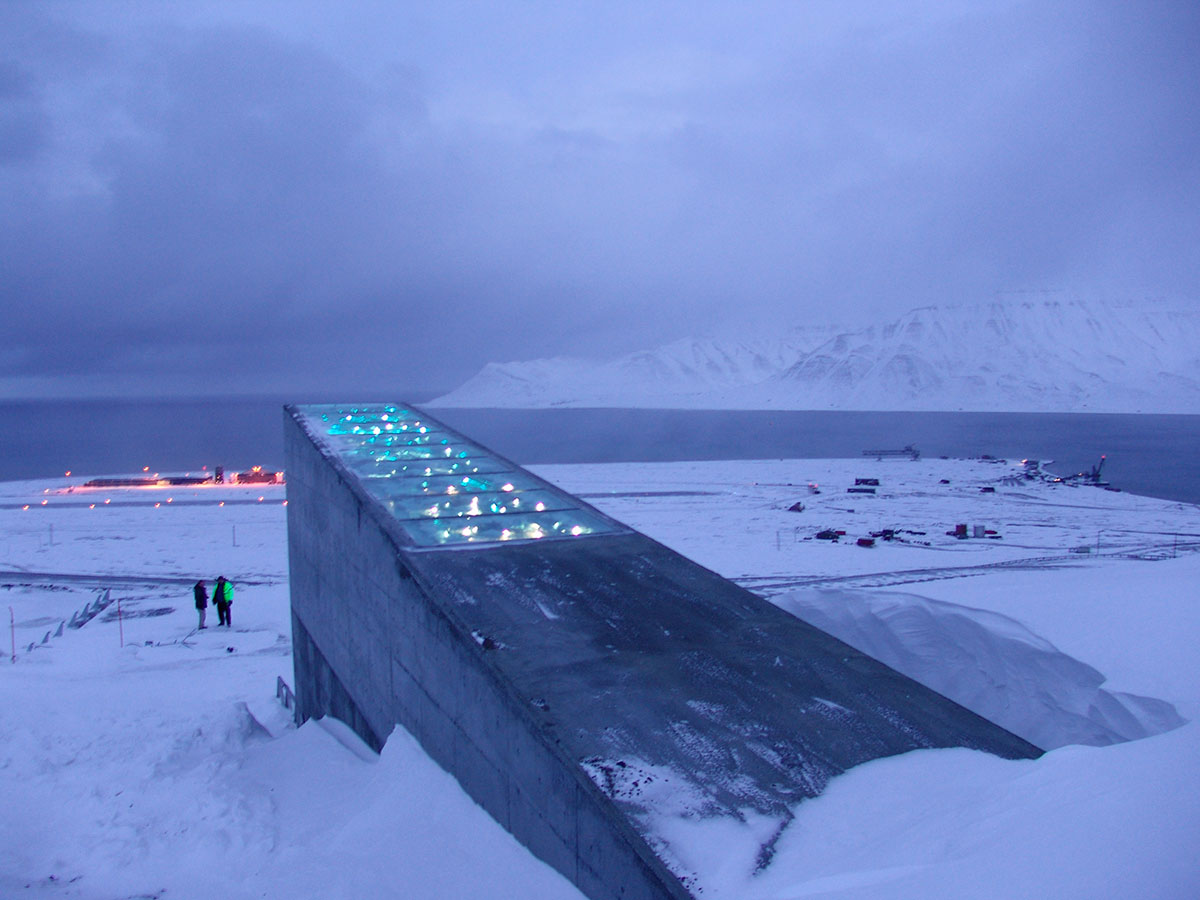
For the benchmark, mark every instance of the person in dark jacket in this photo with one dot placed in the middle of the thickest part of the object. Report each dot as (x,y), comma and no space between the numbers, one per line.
(222,600)
(201,601)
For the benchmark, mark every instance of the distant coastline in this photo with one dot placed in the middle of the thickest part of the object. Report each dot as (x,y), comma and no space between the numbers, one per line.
(1151,454)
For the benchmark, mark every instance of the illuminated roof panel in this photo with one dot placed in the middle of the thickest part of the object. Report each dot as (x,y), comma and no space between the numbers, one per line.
(476,504)
(506,527)
(371,467)
(443,489)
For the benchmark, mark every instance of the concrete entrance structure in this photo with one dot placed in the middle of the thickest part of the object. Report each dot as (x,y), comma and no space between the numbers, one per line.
(573,675)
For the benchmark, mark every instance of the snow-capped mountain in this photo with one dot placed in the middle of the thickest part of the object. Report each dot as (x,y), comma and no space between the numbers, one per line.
(1045,355)
(696,369)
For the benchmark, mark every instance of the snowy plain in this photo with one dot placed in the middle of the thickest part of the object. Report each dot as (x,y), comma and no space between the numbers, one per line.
(166,768)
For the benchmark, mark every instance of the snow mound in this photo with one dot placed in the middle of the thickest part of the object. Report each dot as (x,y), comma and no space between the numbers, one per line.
(989,663)
(223,736)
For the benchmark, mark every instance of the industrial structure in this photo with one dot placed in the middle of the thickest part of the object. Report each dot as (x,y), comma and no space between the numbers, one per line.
(580,680)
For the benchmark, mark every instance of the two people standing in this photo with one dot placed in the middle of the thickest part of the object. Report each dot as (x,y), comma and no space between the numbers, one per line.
(222,599)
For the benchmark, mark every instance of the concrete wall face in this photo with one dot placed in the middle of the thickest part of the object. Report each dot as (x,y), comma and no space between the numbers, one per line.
(552,676)
(373,649)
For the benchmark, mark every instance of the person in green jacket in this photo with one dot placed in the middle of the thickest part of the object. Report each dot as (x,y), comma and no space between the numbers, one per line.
(223,600)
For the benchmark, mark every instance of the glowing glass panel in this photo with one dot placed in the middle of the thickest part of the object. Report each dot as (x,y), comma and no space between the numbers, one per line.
(372,467)
(538,526)
(480,504)
(450,485)
(443,489)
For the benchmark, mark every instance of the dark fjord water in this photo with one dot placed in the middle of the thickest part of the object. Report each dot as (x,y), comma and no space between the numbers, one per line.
(1155,455)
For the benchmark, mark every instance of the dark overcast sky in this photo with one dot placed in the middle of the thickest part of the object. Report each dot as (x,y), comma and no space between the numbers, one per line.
(378,198)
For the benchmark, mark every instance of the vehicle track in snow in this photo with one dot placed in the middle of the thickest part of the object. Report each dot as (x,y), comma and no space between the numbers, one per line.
(40,578)
(774,584)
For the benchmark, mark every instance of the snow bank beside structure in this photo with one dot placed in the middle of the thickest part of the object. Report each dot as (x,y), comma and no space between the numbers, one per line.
(989,663)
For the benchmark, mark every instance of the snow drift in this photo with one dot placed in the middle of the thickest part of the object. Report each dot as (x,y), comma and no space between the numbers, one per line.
(989,663)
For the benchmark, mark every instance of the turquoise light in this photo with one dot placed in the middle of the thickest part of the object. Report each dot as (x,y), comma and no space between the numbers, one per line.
(442,488)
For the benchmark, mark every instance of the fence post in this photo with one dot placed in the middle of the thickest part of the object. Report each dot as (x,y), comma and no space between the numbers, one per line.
(283,692)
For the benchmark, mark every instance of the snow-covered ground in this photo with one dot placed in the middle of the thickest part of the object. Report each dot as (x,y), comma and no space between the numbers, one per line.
(166,768)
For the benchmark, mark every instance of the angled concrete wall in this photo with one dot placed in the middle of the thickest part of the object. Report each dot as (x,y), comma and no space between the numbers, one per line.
(359,617)
(527,669)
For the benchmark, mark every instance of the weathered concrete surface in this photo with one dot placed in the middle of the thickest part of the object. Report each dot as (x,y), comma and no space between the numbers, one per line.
(571,685)
(374,648)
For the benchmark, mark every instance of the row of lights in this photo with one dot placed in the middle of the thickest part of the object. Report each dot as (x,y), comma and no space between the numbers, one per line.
(156,505)
(370,428)
(533,531)
(473,508)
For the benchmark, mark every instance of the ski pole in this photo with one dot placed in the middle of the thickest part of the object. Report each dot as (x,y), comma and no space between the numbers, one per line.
(12,631)
(120,622)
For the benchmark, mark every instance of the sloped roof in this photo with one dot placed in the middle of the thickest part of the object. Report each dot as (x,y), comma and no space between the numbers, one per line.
(674,689)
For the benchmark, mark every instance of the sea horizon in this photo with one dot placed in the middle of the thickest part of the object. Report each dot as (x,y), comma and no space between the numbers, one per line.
(1146,453)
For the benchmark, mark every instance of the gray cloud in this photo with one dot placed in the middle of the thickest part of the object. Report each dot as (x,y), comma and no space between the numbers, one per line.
(260,197)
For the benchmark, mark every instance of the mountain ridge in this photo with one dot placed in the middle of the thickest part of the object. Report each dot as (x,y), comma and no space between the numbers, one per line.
(1028,356)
